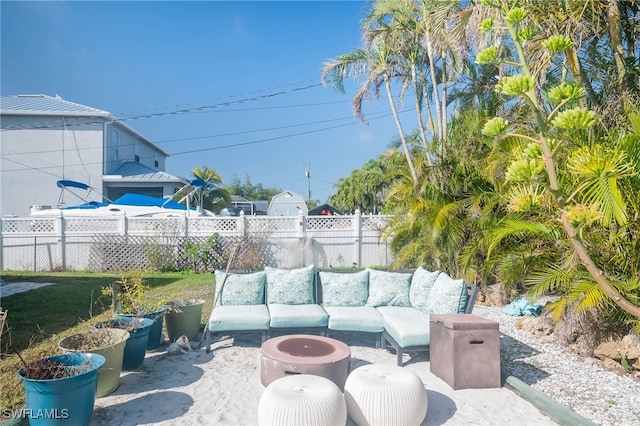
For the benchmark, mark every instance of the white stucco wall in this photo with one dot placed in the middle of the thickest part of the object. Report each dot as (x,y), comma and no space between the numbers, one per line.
(33,159)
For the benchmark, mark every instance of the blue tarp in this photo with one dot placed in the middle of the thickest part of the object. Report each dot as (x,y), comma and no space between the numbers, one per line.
(148,201)
(521,306)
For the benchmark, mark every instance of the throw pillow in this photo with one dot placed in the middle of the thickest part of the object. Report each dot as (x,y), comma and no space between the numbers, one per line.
(344,289)
(448,296)
(421,284)
(388,288)
(241,289)
(290,286)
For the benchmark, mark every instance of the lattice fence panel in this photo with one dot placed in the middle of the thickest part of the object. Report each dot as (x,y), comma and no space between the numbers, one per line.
(210,225)
(92,225)
(329,222)
(25,226)
(155,226)
(266,224)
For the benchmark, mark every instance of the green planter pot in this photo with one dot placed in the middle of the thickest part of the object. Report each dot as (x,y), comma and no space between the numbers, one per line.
(136,346)
(111,347)
(67,400)
(183,318)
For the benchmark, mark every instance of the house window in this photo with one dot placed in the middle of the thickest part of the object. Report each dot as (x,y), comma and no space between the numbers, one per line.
(155,162)
(115,141)
(137,158)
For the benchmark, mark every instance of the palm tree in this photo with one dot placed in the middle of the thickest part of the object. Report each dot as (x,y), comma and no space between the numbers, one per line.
(377,64)
(205,190)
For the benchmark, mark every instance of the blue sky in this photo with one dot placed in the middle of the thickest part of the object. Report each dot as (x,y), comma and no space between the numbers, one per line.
(257,62)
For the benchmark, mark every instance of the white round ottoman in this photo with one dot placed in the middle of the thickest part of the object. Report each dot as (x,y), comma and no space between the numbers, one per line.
(379,394)
(302,399)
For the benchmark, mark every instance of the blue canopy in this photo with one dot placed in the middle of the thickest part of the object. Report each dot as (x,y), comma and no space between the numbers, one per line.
(72,184)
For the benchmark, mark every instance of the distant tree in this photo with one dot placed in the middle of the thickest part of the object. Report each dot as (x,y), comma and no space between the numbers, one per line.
(365,189)
(250,191)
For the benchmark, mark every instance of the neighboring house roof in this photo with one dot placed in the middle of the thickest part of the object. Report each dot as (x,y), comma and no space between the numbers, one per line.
(44,105)
(239,199)
(130,171)
(318,210)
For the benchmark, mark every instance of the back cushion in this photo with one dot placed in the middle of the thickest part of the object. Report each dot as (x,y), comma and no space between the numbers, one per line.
(290,286)
(422,282)
(448,296)
(241,289)
(388,288)
(344,289)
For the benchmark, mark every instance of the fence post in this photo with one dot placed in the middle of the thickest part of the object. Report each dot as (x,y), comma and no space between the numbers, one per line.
(242,224)
(357,242)
(61,225)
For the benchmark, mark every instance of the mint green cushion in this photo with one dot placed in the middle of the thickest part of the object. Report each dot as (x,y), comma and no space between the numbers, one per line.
(448,296)
(297,316)
(237,318)
(421,284)
(290,286)
(355,318)
(408,326)
(241,289)
(344,289)
(388,288)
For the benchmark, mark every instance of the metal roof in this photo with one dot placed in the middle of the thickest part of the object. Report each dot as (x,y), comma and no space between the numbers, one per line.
(45,105)
(132,171)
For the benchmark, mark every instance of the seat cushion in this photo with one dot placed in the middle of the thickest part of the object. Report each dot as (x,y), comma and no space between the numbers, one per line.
(241,289)
(297,316)
(290,286)
(356,318)
(237,318)
(448,296)
(344,288)
(388,288)
(422,282)
(408,326)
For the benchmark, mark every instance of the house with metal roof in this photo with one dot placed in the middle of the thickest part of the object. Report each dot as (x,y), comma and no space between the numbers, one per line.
(44,139)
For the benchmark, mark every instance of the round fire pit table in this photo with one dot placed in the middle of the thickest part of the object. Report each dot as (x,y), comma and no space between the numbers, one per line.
(305,354)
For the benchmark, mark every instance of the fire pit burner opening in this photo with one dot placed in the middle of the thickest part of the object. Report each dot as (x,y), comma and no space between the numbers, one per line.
(304,347)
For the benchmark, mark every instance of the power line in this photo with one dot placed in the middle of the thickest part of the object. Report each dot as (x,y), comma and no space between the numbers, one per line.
(54,124)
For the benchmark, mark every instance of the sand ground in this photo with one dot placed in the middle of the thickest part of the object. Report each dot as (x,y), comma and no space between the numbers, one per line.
(223,388)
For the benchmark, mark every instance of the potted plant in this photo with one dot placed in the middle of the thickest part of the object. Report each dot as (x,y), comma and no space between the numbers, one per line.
(129,301)
(183,317)
(108,342)
(136,345)
(62,387)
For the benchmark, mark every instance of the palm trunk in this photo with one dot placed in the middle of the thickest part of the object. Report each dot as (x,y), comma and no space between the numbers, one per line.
(405,146)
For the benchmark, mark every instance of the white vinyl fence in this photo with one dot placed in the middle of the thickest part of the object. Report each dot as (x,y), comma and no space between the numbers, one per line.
(118,243)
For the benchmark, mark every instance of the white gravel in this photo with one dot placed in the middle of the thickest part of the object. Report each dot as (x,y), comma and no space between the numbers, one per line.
(602,396)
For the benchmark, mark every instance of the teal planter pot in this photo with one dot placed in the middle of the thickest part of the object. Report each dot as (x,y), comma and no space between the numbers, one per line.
(108,342)
(155,333)
(183,318)
(136,346)
(67,400)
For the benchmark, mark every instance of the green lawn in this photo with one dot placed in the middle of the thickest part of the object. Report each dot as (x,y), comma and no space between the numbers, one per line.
(39,318)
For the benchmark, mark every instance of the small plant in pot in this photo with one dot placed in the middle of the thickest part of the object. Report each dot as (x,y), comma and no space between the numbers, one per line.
(129,301)
(136,346)
(183,318)
(61,389)
(108,342)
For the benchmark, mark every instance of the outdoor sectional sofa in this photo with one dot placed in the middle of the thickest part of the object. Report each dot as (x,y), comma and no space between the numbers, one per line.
(393,306)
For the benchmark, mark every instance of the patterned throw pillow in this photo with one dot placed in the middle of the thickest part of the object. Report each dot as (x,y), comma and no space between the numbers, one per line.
(422,282)
(290,286)
(241,289)
(344,289)
(448,296)
(388,288)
